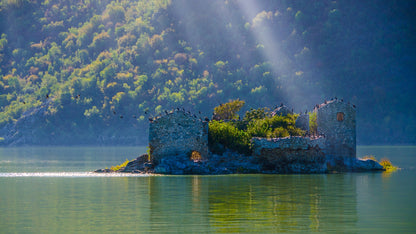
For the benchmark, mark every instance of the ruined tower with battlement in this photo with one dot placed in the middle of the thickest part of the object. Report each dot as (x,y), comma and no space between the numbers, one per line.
(336,122)
(177,136)
(178,133)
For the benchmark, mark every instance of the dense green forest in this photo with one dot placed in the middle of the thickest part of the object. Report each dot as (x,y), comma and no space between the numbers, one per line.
(94,71)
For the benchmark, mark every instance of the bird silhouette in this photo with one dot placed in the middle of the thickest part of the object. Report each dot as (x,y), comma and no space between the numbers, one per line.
(47,96)
(114,112)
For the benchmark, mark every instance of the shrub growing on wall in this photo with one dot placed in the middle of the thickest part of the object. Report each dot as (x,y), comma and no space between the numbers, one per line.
(236,135)
(222,135)
(313,126)
(228,110)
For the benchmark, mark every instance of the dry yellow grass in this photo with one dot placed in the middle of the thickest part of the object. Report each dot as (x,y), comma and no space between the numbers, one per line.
(369,157)
(387,165)
(116,168)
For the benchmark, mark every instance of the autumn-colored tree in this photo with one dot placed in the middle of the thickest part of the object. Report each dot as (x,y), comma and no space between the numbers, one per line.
(228,110)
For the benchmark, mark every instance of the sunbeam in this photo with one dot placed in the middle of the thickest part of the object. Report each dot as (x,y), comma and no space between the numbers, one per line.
(270,39)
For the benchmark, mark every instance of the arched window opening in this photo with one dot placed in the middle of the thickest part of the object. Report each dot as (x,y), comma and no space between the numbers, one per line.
(340,116)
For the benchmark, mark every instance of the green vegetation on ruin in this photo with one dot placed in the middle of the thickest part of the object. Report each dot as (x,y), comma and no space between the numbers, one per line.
(226,131)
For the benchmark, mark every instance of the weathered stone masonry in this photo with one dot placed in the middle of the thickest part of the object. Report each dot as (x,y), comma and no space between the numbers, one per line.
(177,133)
(291,154)
(335,146)
(336,122)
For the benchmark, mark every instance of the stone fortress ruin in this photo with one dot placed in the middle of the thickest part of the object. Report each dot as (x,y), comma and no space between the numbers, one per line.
(178,133)
(333,146)
(181,136)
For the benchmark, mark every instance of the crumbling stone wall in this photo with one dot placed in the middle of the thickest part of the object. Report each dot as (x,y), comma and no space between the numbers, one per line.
(302,122)
(290,154)
(177,133)
(282,110)
(336,122)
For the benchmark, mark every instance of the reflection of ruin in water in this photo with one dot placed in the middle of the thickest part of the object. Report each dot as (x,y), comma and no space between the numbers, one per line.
(255,202)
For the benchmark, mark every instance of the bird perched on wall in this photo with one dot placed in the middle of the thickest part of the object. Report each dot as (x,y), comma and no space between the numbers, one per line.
(150,120)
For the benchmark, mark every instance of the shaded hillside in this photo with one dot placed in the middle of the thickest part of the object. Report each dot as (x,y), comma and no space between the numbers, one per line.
(94,71)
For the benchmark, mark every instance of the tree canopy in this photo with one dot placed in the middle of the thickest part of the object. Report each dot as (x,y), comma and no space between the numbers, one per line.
(98,69)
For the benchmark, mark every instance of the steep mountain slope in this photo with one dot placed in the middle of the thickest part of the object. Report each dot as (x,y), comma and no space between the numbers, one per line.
(94,71)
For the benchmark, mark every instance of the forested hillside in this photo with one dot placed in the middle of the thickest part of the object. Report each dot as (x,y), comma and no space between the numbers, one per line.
(94,71)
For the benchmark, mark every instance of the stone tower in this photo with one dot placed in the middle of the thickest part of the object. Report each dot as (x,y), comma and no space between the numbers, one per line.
(302,122)
(178,134)
(336,121)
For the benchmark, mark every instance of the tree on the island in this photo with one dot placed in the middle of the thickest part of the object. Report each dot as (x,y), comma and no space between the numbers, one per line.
(228,110)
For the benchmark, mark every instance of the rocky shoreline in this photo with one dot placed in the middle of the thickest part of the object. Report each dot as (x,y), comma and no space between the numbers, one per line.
(234,163)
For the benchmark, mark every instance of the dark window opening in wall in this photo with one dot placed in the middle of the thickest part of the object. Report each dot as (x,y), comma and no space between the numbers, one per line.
(196,156)
(340,116)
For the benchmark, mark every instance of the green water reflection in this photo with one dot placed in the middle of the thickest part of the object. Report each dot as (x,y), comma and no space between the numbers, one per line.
(224,204)
(335,203)
(259,203)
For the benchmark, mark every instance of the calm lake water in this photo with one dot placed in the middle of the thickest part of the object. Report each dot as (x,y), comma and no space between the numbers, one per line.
(49,190)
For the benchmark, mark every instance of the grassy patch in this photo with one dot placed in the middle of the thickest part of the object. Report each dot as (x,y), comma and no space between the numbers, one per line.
(387,165)
(118,167)
(371,157)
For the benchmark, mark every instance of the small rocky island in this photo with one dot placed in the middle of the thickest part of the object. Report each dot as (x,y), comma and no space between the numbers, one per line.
(181,143)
